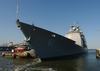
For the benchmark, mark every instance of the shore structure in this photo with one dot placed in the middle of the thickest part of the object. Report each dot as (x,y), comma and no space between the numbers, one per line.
(97,53)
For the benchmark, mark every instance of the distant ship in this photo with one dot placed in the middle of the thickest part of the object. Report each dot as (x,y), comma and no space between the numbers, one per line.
(48,44)
(6,48)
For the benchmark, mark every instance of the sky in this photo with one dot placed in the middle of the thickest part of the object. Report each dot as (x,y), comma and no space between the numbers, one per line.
(53,15)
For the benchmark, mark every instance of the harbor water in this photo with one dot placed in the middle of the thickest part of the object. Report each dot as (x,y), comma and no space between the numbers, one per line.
(83,62)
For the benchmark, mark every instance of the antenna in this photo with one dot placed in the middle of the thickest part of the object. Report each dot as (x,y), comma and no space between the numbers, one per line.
(33,23)
(77,23)
(17,12)
(74,23)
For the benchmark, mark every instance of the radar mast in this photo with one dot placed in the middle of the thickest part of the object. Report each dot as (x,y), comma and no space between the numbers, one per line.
(17,12)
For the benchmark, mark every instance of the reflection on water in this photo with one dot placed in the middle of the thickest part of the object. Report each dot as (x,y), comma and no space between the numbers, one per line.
(67,64)
(83,62)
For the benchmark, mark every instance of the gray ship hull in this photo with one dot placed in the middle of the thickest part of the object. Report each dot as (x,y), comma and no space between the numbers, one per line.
(48,44)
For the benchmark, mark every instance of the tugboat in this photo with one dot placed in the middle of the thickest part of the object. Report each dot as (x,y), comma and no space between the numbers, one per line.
(20,52)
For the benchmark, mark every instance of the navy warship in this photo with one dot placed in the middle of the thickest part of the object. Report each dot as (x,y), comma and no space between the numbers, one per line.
(48,44)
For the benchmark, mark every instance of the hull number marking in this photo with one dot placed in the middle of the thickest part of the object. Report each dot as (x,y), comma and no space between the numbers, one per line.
(51,42)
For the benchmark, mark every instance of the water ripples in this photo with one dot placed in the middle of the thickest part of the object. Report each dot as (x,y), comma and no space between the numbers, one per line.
(84,62)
